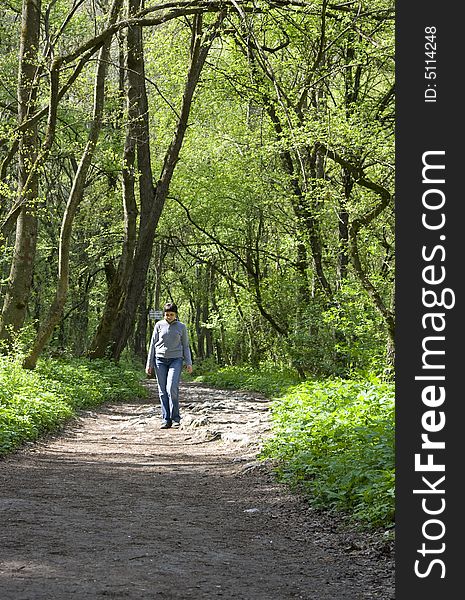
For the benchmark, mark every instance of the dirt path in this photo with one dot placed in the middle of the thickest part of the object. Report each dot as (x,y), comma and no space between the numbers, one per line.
(117,508)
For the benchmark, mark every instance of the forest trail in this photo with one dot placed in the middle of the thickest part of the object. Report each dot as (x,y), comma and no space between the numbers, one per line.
(114,507)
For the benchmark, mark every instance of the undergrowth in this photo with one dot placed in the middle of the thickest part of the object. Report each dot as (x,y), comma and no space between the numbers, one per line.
(266,380)
(39,401)
(332,439)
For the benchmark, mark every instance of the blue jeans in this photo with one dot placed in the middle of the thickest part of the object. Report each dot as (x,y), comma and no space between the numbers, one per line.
(168,371)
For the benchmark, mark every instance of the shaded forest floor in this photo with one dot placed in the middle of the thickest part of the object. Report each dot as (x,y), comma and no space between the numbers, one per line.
(114,507)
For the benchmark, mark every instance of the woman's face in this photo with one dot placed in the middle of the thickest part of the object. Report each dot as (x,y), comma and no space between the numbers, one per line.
(170,316)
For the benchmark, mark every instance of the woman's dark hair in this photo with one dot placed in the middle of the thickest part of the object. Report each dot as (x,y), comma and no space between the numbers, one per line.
(170,307)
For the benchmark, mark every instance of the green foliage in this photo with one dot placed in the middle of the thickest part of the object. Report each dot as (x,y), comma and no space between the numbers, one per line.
(359,340)
(345,337)
(243,219)
(241,259)
(267,380)
(334,440)
(34,402)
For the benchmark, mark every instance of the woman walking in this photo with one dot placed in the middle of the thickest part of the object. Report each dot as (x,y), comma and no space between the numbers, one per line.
(169,347)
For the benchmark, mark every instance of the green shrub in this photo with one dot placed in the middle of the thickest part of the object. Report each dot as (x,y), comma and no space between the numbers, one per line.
(266,380)
(334,440)
(33,402)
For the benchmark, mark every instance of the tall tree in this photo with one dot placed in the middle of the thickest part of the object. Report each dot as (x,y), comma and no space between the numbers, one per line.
(153,196)
(22,266)
(136,167)
(75,197)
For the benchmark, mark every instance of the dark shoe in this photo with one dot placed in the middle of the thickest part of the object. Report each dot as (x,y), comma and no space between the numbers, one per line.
(176,424)
(165,425)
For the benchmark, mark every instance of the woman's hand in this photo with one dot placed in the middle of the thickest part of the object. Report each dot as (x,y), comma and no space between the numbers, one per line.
(189,368)
(149,371)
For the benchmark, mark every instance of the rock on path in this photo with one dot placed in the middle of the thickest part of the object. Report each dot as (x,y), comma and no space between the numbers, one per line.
(114,507)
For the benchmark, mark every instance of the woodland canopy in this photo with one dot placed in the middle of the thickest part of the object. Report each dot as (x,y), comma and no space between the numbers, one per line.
(236,157)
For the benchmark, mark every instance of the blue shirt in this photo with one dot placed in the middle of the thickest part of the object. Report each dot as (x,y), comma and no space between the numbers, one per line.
(169,340)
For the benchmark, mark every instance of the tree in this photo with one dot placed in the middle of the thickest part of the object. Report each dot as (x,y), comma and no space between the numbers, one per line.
(269,198)
(75,197)
(22,266)
(152,198)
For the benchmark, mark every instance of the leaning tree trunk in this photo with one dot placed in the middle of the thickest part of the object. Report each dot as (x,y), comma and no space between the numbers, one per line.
(124,322)
(363,221)
(75,197)
(22,266)
(306,214)
(137,129)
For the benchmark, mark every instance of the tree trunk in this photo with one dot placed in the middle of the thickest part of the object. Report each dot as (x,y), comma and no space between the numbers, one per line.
(22,266)
(74,200)
(354,229)
(343,227)
(124,322)
(300,203)
(139,346)
(135,109)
